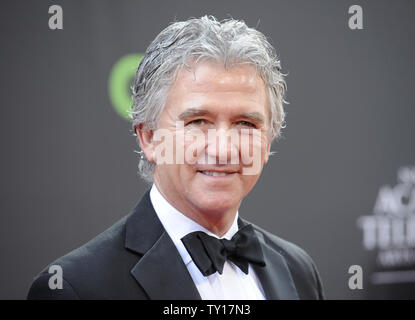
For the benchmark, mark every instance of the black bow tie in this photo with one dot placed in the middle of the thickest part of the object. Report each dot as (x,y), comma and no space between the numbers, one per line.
(210,253)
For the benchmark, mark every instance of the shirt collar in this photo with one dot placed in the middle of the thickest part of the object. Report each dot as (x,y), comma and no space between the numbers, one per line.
(177,225)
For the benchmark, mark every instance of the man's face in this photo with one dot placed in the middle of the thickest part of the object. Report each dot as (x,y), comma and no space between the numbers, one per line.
(210,97)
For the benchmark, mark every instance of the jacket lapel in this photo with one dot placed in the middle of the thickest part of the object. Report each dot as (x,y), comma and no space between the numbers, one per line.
(275,277)
(160,271)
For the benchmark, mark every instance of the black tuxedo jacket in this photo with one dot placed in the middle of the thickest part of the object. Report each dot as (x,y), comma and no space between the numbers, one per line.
(136,259)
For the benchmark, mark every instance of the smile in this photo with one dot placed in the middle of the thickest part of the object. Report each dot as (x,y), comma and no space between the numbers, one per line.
(215,173)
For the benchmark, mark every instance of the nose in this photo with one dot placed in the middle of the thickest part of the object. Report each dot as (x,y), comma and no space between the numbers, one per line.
(222,146)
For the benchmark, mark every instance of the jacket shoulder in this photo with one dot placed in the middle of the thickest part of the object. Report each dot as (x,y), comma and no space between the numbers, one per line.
(302,267)
(92,271)
(41,289)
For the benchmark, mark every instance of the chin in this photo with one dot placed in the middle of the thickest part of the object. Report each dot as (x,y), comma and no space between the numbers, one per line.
(216,202)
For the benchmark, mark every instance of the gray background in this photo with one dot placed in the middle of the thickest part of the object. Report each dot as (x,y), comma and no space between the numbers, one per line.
(68,170)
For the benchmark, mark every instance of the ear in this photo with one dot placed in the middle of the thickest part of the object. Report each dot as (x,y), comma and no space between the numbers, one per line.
(145,137)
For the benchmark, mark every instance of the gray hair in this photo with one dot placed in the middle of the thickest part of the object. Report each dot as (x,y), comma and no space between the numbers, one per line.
(230,41)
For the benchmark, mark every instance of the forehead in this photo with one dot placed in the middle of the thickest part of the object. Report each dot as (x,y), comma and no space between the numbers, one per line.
(211,83)
(207,75)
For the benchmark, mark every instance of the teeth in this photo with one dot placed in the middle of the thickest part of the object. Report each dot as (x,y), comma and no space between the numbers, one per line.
(214,174)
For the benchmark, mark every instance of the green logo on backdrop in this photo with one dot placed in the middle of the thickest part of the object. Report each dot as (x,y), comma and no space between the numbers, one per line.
(119,83)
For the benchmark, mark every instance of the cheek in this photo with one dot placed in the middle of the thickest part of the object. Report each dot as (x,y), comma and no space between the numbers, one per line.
(194,147)
(178,147)
(253,153)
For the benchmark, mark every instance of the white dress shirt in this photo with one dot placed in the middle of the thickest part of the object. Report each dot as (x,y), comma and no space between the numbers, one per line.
(232,284)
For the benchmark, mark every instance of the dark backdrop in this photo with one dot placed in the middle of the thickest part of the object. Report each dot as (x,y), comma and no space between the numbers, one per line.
(68,170)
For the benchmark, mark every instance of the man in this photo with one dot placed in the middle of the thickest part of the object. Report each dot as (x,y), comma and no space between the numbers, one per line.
(208,101)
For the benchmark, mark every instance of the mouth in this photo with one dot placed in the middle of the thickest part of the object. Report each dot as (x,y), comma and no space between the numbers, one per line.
(216,173)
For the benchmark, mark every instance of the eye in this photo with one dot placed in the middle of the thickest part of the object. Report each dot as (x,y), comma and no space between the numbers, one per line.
(197,122)
(247,124)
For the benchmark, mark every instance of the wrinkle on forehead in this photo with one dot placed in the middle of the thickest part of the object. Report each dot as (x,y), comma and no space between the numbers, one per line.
(203,79)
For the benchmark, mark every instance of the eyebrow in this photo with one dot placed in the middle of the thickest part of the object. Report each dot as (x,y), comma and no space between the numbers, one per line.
(254,116)
(192,112)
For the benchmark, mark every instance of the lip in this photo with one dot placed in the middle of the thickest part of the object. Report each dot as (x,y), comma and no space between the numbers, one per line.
(229,174)
(228,170)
